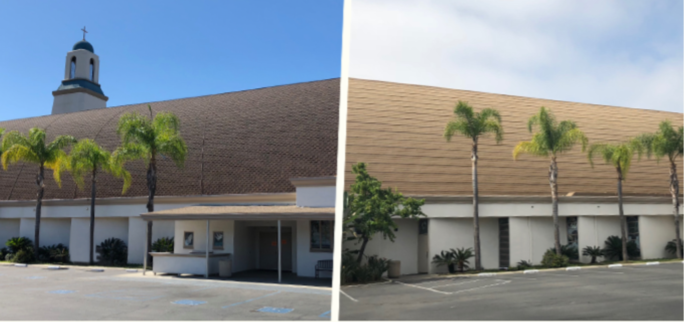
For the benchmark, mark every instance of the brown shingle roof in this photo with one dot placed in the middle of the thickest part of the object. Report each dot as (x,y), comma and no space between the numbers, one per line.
(250,141)
(397,130)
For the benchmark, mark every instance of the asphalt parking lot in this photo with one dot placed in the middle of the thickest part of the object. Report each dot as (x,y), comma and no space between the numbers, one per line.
(628,293)
(36,293)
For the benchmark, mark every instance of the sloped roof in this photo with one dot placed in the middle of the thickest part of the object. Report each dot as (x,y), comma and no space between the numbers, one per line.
(397,130)
(250,141)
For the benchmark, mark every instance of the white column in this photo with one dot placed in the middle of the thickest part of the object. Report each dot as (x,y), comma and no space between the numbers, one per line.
(147,233)
(206,274)
(280,268)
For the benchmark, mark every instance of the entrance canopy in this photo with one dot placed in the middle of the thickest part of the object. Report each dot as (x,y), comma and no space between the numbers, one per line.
(242,213)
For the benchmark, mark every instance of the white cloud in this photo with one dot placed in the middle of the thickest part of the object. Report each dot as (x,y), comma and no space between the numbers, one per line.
(605,52)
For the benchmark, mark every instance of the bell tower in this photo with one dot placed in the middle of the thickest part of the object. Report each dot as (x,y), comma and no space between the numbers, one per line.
(80,90)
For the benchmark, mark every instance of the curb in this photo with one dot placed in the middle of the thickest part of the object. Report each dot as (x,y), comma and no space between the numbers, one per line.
(615,266)
(20,265)
(486,274)
(652,263)
(531,271)
(573,268)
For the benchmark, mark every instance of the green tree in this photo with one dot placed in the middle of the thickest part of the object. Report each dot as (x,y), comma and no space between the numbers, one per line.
(667,142)
(34,149)
(371,210)
(86,157)
(473,125)
(620,157)
(147,138)
(552,139)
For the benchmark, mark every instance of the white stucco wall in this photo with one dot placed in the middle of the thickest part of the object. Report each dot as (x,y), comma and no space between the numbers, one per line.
(199,228)
(105,228)
(137,229)
(305,258)
(462,210)
(594,230)
(445,234)
(52,230)
(654,233)
(9,228)
(403,249)
(77,101)
(83,58)
(316,196)
(530,238)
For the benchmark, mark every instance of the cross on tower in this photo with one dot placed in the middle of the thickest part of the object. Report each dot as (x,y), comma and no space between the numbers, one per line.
(84,32)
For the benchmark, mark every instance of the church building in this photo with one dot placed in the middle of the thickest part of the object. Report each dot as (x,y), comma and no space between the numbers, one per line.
(396,129)
(257,187)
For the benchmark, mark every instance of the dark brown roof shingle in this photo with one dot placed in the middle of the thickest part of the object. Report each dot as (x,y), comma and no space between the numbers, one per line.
(250,141)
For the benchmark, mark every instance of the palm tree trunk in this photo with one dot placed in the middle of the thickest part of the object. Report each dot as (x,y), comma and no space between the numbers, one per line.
(151,188)
(40,181)
(553,181)
(362,250)
(92,214)
(674,190)
(476,211)
(623,221)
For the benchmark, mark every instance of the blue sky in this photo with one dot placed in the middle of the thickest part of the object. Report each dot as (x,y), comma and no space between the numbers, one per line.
(160,50)
(614,52)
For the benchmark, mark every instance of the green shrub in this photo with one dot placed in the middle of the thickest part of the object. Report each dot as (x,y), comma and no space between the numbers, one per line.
(523,264)
(15,244)
(445,258)
(552,260)
(8,257)
(162,245)
(3,253)
(23,256)
(569,251)
(613,249)
(594,252)
(113,251)
(53,254)
(671,247)
(371,271)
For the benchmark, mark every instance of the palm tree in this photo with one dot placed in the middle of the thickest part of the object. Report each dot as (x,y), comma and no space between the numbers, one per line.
(472,125)
(552,139)
(86,157)
(145,138)
(34,149)
(619,156)
(667,142)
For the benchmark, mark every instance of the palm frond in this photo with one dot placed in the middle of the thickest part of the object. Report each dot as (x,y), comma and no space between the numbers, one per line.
(173,147)
(529,148)
(458,126)
(16,153)
(14,137)
(568,139)
(495,127)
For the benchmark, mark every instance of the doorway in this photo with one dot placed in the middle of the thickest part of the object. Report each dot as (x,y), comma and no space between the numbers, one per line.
(268,249)
(423,247)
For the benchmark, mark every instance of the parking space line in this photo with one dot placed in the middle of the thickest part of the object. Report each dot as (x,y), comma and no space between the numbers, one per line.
(454,284)
(503,282)
(349,297)
(423,288)
(250,300)
(325,314)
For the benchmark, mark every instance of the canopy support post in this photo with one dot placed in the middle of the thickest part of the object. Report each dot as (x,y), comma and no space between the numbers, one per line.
(280,248)
(147,236)
(206,274)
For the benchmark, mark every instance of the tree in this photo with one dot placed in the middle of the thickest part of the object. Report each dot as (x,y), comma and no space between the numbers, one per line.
(146,138)
(34,149)
(619,156)
(473,125)
(667,142)
(371,209)
(552,139)
(86,157)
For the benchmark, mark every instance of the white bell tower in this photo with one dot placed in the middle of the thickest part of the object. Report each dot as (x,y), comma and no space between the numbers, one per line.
(80,90)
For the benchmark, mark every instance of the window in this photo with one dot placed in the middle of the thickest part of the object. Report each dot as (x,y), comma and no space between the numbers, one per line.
(633,229)
(92,70)
(321,235)
(188,240)
(72,70)
(572,231)
(422,226)
(218,240)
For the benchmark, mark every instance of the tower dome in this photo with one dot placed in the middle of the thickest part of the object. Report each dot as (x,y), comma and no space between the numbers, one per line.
(84,45)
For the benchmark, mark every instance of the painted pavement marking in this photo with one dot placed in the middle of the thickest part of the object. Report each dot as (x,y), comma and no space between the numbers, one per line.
(62,292)
(615,266)
(34,277)
(125,296)
(422,288)
(652,263)
(189,302)
(454,284)
(279,310)
(502,282)
(250,300)
(325,314)
(349,297)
